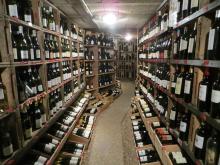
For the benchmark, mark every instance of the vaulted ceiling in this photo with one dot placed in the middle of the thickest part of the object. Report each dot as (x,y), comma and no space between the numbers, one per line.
(131,14)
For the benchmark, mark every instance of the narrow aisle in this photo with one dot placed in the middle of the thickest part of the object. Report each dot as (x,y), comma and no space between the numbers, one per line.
(107,146)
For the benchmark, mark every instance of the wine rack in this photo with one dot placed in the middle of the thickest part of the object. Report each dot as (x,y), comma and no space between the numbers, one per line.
(72,39)
(148,77)
(95,48)
(126,59)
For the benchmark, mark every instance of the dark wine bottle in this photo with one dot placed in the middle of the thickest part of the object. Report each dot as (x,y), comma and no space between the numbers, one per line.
(6,146)
(180,84)
(12,8)
(194,6)
(188,86)
(213,47)
(192,43)
(212,149)
(215,98)
(184,127)
(200,142)
(173,117)
(185,8)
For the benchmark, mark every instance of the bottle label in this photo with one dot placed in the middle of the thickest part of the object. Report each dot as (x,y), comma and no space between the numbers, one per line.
(73,162)
(59,134)
(1,94)
(199,141)
(32,54)
(215,98)
(141,153)
(143,159)
(211,39)
(187,87)
(185,5)
(13,10)
(202,92)
(44,22)
(191,45)
(23,54)
(28,133)
(173,85)
(49,83)
(15,53)
(183,45)
(8,150)
(38,123)
(64,128)
(47,53)
(43,117)
(54,141)
(172,115)
(194,3)
(48,148)
(27,18)
(34,90)
(183,126)
(41,159)
(178,86)
(40,88)
(38,53)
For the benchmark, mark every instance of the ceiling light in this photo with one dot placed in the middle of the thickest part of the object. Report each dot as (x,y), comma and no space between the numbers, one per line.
(128,37)
(109,19)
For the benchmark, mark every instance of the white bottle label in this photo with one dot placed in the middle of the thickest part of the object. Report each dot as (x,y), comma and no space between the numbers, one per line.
(38,123)
(199,141)
(187,87)
(23,56)
(28,132)
(183,45)
(41,159)
(47,53)
(48,148)
(32,54)
(175,48)
(194,3)
(185,5)
(15,53)
(211,39)
(54,141)
(143,158)
(73,162)
(173,85)
(183,126)
(8,150)
(1,94)
(27,18)
(178,86)
(34,89)
(191,45)
(40,88)
(172,115)
(44,22)
(202,92)
(44,118)
(13,10)
(215,98)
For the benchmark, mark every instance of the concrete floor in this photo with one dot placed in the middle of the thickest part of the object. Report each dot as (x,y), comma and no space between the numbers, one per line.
(107,144)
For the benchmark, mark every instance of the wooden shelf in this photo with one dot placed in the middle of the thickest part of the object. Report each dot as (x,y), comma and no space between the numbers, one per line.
(107,86)
(39,133)
(155,60)
(100,74)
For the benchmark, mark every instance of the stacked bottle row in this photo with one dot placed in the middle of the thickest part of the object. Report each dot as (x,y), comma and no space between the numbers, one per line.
(105,80)
(100,40)
(105,67)
(49,142)
(142,139)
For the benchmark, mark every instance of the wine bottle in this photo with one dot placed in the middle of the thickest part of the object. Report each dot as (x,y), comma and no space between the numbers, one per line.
(174,79)
(214,39)
(56,133)
(200,142)
(46,47)
(194,6)
(47,148)
(26,124)
(192,43)
(180,84)
(3,96)
(185,8)
(48,139)
(188,86)
(6,146)
(37,116)
(44,17)
(51,20)
(204,96)
(176,45)
(212,149)
(184,127)
(33,158)
(14,40)
(22,45)
(179,10)
(36,46)
(215,98)
(173,117)
(184,43)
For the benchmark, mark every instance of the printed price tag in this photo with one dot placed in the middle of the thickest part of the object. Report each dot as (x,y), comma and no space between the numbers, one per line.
(205,62)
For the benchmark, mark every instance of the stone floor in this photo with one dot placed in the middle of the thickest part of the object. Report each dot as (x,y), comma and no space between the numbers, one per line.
(112,143)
